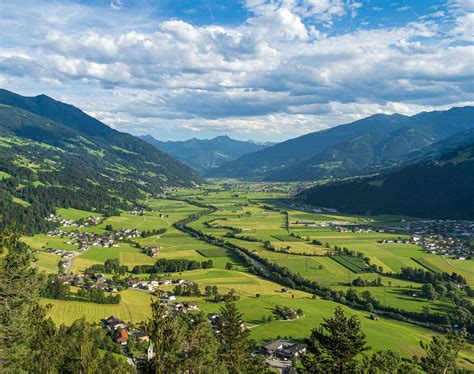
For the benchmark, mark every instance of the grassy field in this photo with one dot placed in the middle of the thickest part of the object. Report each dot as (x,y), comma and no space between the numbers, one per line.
(426,264)
(75,214)
(42,241)
(245,207)
(135,307)
(354,264)
(47,262)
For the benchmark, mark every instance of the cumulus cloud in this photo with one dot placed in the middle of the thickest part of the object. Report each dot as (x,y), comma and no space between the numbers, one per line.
(275,73)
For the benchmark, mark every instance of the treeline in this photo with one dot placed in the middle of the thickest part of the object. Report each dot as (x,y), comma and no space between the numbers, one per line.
(424,276)
(54,288)
(164,265)
(43,199)
(148,233)
(412,191)
(110,266)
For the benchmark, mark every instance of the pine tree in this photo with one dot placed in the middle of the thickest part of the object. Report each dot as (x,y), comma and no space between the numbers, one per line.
(167,333)
(236,348)
(201,347)
(333,347)
(19,285)
(442,352)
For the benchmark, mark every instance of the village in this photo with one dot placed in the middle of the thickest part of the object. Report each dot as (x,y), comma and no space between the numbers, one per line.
(84,240)
(441,237)
(89,221)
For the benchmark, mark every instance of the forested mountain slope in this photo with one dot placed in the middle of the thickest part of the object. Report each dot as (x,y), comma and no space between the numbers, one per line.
(442,188)
(205,154)
(360,147)
(79,163)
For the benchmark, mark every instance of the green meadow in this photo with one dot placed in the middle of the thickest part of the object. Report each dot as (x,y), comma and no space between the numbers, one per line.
(247,208)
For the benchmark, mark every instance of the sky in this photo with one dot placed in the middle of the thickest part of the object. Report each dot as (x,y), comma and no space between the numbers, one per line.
(266,70)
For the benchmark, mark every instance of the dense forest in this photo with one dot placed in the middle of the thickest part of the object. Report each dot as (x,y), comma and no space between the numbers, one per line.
(438,189)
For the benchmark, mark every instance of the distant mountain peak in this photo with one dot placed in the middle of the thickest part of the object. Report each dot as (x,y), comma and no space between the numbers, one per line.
(205,154)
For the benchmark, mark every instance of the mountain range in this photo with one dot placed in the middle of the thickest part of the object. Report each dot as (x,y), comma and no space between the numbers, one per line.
(53,154)
(205,155)
(361,147)
(440,188)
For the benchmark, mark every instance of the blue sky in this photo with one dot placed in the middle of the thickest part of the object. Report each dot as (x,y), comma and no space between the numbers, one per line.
(266,70)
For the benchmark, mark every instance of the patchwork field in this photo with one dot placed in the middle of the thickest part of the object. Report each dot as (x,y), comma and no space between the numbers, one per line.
(260,215)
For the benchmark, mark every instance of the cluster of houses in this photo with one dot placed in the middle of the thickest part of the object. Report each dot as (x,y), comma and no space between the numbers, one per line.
(443,237)
(322,223)
(63,222)
(120,331)
(289,313)
(137,212)
(99,281)
(154,284)
(84,240)
(358,229)
(63,253)
(152,251)
(394,241)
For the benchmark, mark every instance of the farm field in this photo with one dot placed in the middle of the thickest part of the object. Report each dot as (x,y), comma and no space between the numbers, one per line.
(75,214)
(135,307)
(47,262)
(248,218)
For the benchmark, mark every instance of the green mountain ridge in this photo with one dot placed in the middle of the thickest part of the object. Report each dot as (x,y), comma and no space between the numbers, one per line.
(360,147)
(80,163)
(441,188)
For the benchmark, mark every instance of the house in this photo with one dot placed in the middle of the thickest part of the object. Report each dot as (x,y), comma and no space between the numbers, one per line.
(134,283)
(100,278)
(283,349)
(141,336)
(121,336)
(191,306)
(291,351)
(374,317)
(168,296)
(113,323)
(270,348)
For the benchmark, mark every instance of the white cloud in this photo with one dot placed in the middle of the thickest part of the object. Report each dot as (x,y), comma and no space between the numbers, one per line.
(276,73)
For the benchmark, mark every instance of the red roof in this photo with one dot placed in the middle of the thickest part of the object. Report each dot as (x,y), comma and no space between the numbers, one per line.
(121,335)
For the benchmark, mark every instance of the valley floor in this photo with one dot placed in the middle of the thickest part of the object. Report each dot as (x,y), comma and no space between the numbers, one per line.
(255,215)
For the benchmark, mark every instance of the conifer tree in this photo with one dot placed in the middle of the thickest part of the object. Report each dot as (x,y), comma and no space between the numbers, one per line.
(236,348)
(442,352)
(201,347)
(19,284)
(332,348)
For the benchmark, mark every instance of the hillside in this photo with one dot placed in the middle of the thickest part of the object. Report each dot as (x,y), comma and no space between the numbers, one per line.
(78,162)
(357,148)
(437,189)
(205,154)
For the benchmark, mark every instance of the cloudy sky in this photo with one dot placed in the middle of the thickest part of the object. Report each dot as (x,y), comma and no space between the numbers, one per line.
(252,69)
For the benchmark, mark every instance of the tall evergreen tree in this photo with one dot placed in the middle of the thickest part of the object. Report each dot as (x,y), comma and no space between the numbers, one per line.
(19,284)
(236,348)
(167,333)
(442,352)
(201,347)
(332,348)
